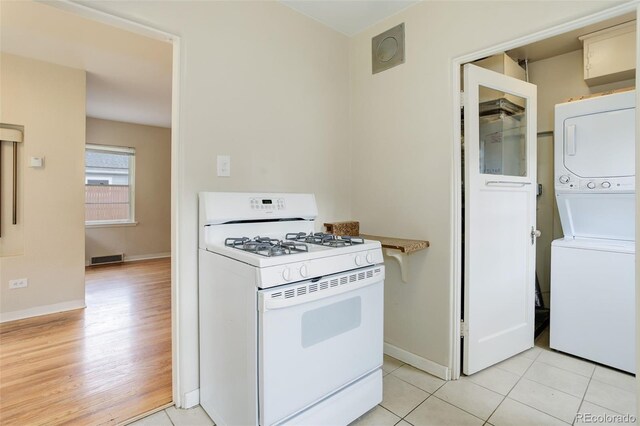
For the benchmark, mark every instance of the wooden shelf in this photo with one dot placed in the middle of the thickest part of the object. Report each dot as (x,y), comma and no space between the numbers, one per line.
(404,245)
(399,249)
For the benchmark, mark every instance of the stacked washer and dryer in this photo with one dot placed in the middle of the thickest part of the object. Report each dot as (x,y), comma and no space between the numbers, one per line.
(593,266)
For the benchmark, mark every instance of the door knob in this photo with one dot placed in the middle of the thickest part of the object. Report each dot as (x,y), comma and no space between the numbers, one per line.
(535,233)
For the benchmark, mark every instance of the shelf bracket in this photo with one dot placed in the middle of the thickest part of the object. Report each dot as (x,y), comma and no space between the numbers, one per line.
(403,261)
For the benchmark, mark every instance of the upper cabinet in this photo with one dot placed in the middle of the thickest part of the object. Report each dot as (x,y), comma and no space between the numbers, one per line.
(610,54)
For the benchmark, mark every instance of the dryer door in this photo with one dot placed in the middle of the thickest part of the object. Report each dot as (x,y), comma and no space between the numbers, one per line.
(600,145)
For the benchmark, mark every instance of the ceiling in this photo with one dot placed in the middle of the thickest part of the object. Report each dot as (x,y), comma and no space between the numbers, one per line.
(348,16)
(128,75)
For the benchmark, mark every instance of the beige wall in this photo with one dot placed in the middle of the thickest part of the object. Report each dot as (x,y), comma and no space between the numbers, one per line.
(402,145)
(267,86)
(49,101)
(558,78)
(283,89)
(151,237)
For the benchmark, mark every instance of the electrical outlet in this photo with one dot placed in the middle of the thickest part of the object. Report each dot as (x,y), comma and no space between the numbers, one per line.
(19,283)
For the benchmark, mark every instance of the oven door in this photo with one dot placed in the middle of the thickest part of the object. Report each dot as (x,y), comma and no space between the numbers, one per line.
(316,337)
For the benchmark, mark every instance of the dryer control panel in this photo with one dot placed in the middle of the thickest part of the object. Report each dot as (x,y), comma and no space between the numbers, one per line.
(569,182)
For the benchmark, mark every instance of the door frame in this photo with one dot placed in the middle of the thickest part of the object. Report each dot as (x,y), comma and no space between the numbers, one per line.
(176,157)
(456,168)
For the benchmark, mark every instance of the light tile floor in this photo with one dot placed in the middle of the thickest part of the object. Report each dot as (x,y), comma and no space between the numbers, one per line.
(173,416)
(536,387)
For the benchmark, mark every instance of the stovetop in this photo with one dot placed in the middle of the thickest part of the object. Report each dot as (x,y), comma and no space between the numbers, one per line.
(296,242)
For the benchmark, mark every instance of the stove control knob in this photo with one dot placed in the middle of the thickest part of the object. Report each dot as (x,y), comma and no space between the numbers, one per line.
(358,260)
(564,179)
(369,257)
(606,184)
(286,274)
(304,271)
(591,185)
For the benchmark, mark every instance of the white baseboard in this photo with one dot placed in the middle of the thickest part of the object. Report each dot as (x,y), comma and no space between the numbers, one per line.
(191,399)
(417,361)
(139,257)
(42,310)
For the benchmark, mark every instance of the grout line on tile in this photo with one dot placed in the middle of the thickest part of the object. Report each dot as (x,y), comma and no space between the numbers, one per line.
(168,416)
(405,420)
(386,409)
(484,387)
(539,410)
(577,358)
(539,353)
(424,390)
(391,371)
(556,389)
(496,409)
(564,369)
(413,409)
(604,408)
(462,409)
(610,384)
(552,388)
(579,408)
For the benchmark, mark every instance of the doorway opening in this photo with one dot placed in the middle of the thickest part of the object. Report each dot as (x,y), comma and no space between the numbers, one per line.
(116,355)
(553,61)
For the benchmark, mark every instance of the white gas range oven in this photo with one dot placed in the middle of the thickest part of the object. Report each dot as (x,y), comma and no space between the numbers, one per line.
(291,321)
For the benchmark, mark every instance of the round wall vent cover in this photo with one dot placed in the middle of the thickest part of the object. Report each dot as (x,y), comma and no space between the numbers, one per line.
(387,49)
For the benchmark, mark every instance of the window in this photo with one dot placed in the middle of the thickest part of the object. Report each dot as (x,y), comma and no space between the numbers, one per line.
(109,184)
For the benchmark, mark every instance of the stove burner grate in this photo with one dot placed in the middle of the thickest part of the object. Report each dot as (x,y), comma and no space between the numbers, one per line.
(267,247)
(324,239)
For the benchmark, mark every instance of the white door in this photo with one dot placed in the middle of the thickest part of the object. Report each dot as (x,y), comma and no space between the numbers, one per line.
(500,203)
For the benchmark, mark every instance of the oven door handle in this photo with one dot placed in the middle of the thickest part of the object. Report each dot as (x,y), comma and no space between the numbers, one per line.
(271,300)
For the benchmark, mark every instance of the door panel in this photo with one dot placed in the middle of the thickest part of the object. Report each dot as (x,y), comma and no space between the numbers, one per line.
(500,195)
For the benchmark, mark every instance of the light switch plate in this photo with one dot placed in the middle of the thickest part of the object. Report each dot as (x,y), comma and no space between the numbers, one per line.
(224,165)
(36,162)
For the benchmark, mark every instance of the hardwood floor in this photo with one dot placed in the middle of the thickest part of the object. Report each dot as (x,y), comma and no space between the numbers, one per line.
(100,365)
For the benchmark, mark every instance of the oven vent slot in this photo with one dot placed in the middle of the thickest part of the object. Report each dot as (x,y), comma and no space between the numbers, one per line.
(314,287)
(376,270)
